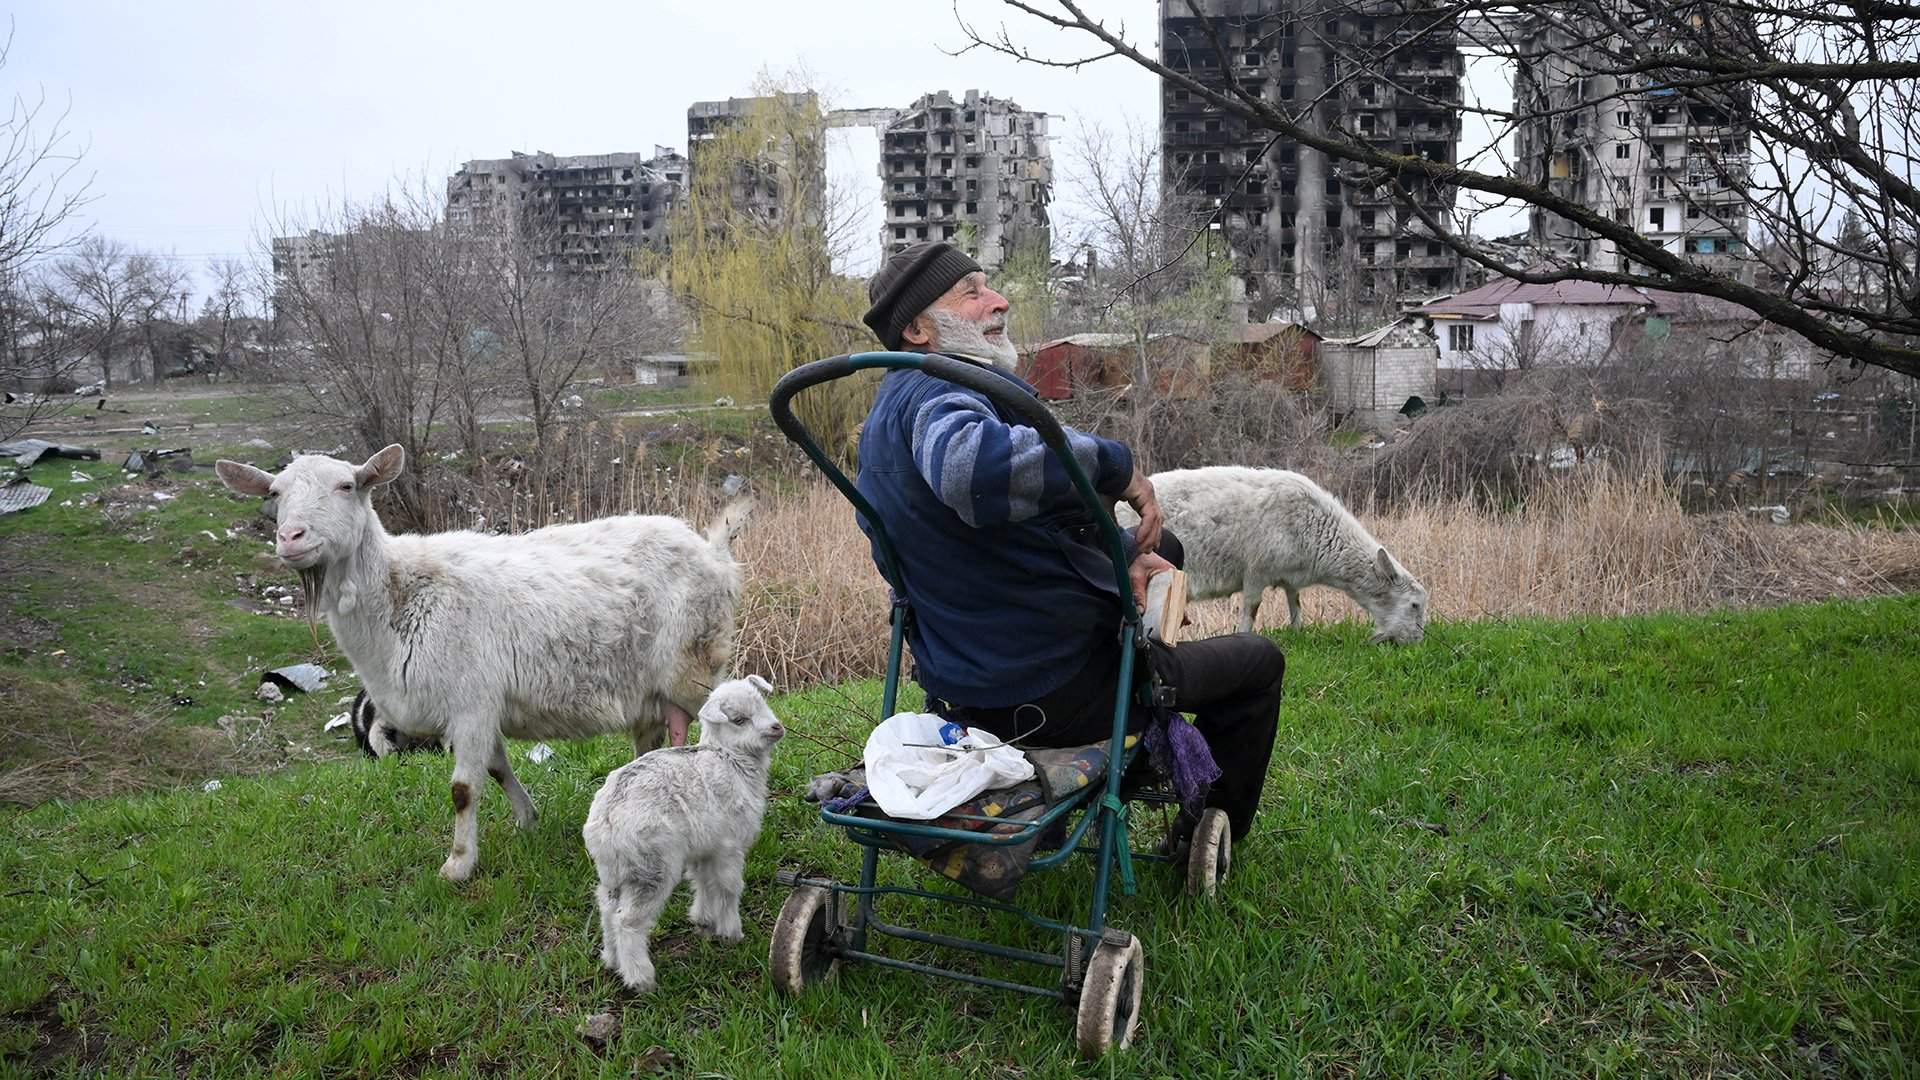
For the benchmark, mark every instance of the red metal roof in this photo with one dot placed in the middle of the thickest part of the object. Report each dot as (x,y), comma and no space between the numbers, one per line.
(1484,302)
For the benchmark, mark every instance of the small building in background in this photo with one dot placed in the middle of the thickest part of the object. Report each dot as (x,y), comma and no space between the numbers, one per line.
(1374,379)
(1060,368)
(1284,352)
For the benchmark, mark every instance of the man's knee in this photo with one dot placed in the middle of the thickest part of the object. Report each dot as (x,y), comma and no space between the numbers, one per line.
(1263,658)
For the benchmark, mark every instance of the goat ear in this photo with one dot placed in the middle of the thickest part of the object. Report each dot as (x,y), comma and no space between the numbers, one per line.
(243,479)
(382,467)
(760,684)
(1385,562)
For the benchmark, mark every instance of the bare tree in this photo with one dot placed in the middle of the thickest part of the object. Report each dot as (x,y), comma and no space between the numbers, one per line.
(39,196)
(39,193)
(1831,96)
(225,311)
(1154,281)
(377,335)
(108,297)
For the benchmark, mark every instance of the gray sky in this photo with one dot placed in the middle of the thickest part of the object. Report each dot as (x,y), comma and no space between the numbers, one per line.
(206,121)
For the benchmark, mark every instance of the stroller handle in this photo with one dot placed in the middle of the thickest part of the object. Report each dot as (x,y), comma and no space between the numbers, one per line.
(1005,396)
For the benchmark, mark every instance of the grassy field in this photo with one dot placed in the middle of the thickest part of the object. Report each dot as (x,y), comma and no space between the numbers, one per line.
(1651,846)
(136,616)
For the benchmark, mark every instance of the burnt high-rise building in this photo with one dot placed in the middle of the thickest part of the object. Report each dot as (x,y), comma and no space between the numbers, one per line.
(1297,222)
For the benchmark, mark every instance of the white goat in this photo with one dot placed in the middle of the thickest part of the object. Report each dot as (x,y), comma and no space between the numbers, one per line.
(573,630)
(692,810)
(1245,529)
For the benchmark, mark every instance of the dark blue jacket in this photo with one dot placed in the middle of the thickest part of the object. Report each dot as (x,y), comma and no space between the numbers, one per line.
(1009,584)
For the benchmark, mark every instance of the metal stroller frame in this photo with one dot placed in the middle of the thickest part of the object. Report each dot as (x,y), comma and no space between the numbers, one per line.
(1100,969)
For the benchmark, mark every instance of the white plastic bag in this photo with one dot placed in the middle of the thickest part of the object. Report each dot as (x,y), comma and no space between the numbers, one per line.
(920,766)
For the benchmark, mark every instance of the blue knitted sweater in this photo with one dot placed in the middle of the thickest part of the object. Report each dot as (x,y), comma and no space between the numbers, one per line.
(1000,560)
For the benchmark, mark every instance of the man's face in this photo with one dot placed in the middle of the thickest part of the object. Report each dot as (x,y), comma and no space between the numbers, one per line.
(969,320)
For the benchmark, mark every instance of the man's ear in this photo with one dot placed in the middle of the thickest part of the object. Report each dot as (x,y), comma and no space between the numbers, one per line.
(918,332)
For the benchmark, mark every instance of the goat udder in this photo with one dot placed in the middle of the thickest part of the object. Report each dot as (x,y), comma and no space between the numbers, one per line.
(677,722)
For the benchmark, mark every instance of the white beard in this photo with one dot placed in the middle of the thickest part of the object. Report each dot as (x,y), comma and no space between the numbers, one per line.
(961,336)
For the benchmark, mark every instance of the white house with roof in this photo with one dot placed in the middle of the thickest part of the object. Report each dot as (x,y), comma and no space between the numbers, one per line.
(1507,325)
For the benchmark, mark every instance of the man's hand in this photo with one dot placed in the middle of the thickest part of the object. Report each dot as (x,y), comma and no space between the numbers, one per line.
(1139,495)
(1144,566)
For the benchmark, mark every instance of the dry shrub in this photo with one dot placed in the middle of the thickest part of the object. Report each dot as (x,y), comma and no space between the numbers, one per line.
(1501,449)
(815,609)
(1239,419)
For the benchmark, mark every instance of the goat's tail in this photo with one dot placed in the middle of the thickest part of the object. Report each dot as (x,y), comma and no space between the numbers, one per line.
(722,530)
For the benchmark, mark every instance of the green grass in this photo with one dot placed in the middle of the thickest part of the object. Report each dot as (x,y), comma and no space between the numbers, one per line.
(1673,846)
(124,632)
(636,396)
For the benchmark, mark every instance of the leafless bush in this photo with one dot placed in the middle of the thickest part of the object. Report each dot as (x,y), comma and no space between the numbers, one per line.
(1514,445)
(1233,420)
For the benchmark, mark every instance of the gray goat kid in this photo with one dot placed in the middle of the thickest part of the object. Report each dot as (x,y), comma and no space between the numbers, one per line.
(685,810)
(618,624)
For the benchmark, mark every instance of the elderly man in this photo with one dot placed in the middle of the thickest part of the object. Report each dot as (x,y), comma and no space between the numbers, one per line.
(1016,614)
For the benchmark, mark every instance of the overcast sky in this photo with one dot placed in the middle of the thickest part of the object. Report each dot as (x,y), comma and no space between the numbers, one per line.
(206,121)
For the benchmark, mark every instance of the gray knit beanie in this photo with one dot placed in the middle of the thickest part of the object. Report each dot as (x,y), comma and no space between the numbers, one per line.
(909,282)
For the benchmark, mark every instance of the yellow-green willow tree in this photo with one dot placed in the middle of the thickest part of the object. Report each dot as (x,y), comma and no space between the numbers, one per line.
(752,255)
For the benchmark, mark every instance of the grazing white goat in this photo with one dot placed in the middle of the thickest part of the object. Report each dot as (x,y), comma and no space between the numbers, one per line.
(691,810)
(618,624)
(1245,529)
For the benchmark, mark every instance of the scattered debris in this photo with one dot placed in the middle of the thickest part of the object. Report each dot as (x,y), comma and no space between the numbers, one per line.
(78,477)
(599,1029)
(269,692)
(338,722)
(20,495)
(539,753)
(92,389)
(732,484)
(573,401)
(154,462)
(162,496)
(306,678)
(210,786)
(723,402)
(25,452)
(1776,514)
(258,443)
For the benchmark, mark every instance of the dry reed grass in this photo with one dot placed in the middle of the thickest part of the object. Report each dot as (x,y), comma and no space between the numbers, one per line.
(816,610)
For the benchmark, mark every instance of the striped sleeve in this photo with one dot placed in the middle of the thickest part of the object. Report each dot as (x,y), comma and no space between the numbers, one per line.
(990,472)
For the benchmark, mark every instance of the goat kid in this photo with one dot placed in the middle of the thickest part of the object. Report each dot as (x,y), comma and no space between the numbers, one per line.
(688,810)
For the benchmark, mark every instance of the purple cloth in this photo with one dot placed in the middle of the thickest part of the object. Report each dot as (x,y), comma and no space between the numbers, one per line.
(1180,753)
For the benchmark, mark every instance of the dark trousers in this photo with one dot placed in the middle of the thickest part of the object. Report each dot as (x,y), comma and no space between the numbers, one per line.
(1229,684)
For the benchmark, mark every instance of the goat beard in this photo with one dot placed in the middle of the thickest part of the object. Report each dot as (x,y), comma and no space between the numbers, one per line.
(312,580)
(956,334)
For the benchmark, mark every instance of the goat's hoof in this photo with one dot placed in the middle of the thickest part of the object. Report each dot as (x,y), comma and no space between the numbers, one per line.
(730,934)
(639,984)
(457,869)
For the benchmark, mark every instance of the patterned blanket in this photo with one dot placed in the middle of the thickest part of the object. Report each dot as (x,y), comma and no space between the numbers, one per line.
(991,870)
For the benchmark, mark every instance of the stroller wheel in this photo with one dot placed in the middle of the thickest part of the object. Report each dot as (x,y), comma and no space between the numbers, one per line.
(802,951)
(1110,998)
(1210,854)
